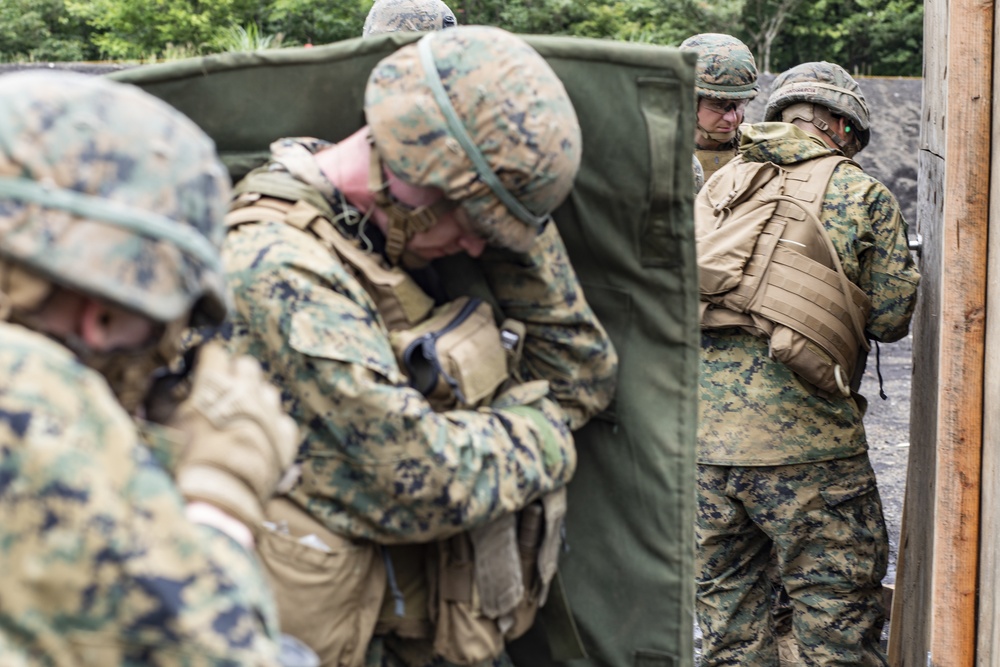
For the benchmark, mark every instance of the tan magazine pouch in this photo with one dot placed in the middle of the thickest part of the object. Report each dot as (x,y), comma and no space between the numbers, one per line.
(492,580)
(455,357)
(328,589)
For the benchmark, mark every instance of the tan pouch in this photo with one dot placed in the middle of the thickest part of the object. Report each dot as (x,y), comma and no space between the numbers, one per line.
(492,580)
(328,589)
(539,539)
(814,333)
(406,608)
(462,634)
(455,357)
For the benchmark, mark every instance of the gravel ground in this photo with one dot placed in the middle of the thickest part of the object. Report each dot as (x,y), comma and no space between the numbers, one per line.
(888,427)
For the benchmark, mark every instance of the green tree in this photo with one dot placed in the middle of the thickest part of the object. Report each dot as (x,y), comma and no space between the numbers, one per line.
(866,36)
(872,37)
(315,21)
(130,29)
(34,30)
(765,20)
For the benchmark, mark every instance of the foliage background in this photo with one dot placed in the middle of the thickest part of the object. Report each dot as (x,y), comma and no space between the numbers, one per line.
(869,37)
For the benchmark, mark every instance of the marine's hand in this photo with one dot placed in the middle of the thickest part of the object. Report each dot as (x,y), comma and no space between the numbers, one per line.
(240,442)
(525,393)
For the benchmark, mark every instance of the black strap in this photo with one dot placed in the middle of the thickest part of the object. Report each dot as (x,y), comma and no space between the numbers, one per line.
(878,371)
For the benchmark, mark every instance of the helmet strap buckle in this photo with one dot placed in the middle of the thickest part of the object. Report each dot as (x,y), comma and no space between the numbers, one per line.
(404,221)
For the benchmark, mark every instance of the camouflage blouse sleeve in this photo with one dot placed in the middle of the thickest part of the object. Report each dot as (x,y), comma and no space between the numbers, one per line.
(377,461)
(565,343)
(100,562)
(881,263)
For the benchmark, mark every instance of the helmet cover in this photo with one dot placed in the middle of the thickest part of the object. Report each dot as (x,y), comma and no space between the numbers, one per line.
(826,84)
(407,16)
(110,191)
(726,69)
(521,147)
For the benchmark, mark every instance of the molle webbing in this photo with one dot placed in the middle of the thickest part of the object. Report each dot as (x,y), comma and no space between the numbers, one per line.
(806,296)
(788,220)
(794,277)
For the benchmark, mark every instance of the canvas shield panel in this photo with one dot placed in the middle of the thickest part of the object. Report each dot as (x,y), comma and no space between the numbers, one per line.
(627,573)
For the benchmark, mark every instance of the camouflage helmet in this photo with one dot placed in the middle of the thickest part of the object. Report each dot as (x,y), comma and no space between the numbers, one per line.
(478,113)
(407,16)
(109,191)
(726,69)
(825,84)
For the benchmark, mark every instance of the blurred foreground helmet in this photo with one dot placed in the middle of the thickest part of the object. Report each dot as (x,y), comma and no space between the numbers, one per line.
(726,69)
(478,113)
(109,191)
(819,83)
(407,16)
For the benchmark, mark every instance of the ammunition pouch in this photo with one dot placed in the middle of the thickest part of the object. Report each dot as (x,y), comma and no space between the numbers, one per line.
(491,581)
(455,357)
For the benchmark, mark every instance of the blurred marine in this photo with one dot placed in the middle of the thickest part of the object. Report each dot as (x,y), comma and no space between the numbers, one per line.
(110,212)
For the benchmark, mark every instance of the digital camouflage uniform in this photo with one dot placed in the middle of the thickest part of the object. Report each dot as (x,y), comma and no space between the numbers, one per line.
(725,71)
(316,330)
(407,16)
(99,565)
(378,463)
(779,466)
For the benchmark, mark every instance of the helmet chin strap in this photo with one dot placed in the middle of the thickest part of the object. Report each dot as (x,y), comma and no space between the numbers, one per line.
(404,222)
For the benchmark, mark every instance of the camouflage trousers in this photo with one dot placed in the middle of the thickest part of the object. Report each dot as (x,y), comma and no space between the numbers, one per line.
(824,523)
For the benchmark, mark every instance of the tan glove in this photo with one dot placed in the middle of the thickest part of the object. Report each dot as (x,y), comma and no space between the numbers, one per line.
(523,393)
(240,442)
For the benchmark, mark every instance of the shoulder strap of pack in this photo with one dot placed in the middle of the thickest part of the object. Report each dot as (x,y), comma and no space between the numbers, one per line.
(278,185)
(276,196)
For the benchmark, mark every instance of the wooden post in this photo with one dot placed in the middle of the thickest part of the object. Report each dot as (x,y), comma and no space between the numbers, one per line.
(938,619)
(988,625)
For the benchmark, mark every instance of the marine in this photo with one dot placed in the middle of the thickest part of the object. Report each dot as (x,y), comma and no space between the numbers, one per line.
(407,289)
(129,509)
(725,82)
(783,466)
(387,16)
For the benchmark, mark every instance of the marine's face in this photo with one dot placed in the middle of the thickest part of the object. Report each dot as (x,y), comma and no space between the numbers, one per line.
(720,116)
(450,236)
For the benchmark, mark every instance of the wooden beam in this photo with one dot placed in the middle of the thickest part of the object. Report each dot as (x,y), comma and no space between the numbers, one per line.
(988,624)
(910,619)
(910,625)
(941,536)
(963,318)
